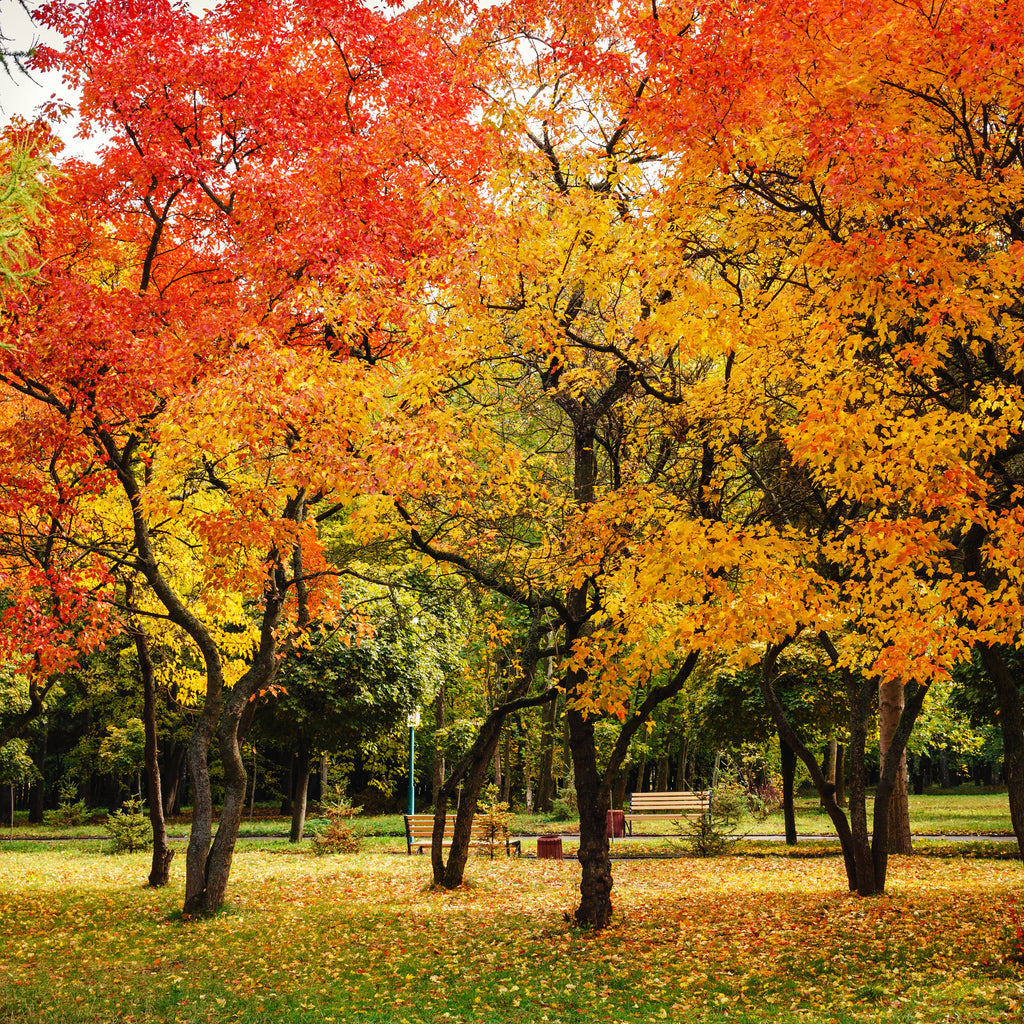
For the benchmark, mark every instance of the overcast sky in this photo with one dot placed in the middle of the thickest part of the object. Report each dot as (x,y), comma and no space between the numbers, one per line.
(20,94)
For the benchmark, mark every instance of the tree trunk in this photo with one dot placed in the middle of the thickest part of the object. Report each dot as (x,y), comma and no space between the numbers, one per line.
(472,768)
(829,767)
(661,782)
(38,802)
(440,721)
(840,775)
(681,758)
(497,767)
(546,771)
(788,759)
(1011,725)
(302,769)
(209,865)
(174,775)
(595,909)
(505,789)
(160,865)
(891,701)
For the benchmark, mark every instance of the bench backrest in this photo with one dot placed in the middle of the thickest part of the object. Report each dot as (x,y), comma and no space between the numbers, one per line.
(679,800)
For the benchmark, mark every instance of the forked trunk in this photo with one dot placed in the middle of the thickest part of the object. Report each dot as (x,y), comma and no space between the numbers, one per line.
(471,772)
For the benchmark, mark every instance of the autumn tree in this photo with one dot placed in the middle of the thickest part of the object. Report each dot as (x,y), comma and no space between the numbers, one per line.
(175,357)
(871,152)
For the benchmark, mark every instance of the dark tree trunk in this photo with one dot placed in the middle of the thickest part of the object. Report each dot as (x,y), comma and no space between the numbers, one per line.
(38,801)
(174,776)
(546,770)
(302,768)
(1011,725)
(471,770)
(160,864)
(506,786)
(825,790)
(891,701)
(661,782)
(788,759)
(840,775)
(595,909)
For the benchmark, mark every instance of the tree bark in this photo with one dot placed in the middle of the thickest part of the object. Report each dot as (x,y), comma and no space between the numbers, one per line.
(160,864)
(302,768)
(595,908)
(891,701)
(546,769)
(472,768)
(440,721)
(174,763)
(1011,725)
(38,800)
(841,775)
(661,781)
(788,758)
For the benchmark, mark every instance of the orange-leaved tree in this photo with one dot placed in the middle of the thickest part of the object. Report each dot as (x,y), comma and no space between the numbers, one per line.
(176,351)
(873,152)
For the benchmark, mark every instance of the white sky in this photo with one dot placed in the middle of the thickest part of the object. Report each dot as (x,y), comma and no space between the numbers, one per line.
(22,95)
(19,94)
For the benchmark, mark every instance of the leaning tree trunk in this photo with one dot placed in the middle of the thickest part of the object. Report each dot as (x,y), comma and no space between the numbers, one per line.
(825,790)
(471,772)
(302,767)
(891,701)
(162,853)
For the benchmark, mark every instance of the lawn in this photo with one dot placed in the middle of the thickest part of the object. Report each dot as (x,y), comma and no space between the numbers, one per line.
(361,938)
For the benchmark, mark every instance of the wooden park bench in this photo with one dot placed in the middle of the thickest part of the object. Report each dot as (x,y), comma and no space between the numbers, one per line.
(419,834)
(667,806)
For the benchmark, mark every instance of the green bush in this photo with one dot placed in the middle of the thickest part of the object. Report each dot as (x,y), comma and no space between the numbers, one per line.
(128,828)
(69,811)
(337,835)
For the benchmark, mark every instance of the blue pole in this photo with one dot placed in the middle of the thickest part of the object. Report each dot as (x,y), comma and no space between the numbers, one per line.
(412,769)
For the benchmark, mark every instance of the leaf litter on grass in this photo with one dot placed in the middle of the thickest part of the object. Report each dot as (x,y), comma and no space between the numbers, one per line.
(364,938)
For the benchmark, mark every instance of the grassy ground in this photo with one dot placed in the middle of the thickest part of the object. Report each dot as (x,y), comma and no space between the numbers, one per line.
(960,811)
(361,938)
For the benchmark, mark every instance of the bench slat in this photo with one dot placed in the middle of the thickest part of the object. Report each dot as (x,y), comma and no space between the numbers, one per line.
(419,832)
(666,805)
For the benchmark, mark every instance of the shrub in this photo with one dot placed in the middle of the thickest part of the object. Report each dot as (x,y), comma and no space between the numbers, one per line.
(493,827)
(67,813)
(128,828)
(337,835)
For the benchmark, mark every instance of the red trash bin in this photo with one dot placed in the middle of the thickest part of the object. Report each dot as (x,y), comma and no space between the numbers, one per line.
(616,824)
(549,847)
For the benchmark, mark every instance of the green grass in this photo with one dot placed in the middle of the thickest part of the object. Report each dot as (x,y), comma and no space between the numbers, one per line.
(361,938)
(962,811)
